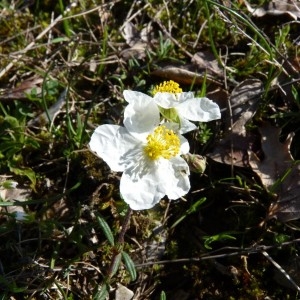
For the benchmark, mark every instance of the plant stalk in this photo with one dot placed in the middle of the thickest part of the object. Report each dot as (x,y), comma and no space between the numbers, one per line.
(116,259)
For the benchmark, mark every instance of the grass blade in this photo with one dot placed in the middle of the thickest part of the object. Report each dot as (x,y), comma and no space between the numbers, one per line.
(129,265)
(106,230)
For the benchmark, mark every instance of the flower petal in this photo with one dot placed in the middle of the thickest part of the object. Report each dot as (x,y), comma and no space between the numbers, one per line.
(166,100)
(110,142)
(184,96)
(141,115)
(140,194)
(133,96)
(173,177)
(179,182)
(163,177)
(199,109)
(184,145)
(169,100)
(186,126)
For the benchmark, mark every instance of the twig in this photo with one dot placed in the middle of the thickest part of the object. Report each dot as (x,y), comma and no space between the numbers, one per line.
(237,252)
(282,271)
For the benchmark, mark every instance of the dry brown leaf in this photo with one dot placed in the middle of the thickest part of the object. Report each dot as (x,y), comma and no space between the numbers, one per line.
(279,172)
(277,156)
(25,87)
(233,148)
(137,51)
(138,41)
(187,74)
(276,8)
(206,60)
(287,207)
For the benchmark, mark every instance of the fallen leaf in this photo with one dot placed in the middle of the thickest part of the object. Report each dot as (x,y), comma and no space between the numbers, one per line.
(234,148)
(22,89)
(206,60)
(137,40)
(287,207)
(133,36)
(186,74)
(279,173)
(277,157)
(276,8)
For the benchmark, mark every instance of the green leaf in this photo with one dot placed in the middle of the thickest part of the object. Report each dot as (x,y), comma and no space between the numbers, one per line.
(29,173)
(216,238)
(193,208)
(12,121)
(116,264)
(59,40)
(106,230)
(281,238)
(101,294)
(129,265)
(162,296)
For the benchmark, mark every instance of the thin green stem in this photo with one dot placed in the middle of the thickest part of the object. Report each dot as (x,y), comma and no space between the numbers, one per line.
(210,34)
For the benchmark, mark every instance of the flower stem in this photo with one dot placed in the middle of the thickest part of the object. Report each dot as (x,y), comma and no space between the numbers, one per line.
(116,259)
(124,226)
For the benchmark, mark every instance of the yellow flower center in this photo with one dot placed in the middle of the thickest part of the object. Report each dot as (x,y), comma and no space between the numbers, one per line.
(162,143)
(167,87)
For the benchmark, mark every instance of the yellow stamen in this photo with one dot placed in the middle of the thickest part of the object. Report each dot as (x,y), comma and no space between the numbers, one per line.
(162,143)
(167,87)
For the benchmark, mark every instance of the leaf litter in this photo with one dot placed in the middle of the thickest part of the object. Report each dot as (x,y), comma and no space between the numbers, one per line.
(279,173)
(237,141)
(272,161)
(276,8)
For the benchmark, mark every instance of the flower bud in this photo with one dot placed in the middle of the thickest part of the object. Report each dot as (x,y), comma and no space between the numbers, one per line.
(196,162)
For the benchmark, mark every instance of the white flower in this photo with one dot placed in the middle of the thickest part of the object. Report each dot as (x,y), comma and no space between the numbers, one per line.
(147,153)
(179,107)
(189,108)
